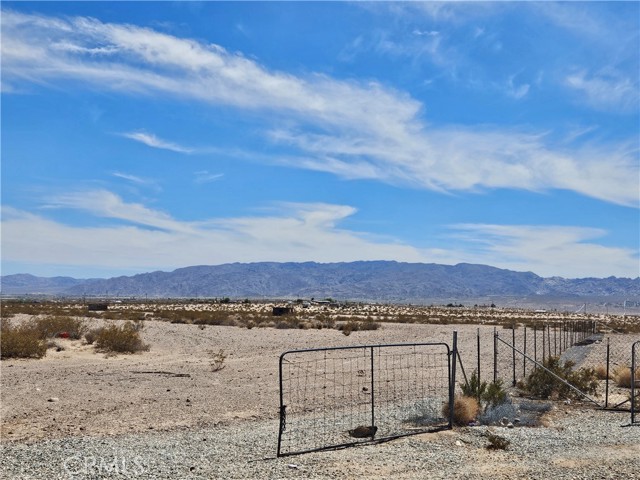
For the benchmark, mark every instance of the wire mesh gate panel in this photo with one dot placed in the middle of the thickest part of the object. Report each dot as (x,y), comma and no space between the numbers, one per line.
(335,397)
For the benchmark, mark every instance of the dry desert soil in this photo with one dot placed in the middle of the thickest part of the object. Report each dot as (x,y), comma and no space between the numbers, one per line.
(164,400)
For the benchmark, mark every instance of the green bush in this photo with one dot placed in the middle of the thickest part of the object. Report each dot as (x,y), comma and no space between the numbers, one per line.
(543,384)
(120,339)
(495,394)
(22,341)
(51,326)
(474,388)
(491,394)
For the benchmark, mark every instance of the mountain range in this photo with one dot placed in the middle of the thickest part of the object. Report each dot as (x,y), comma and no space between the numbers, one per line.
(386,281)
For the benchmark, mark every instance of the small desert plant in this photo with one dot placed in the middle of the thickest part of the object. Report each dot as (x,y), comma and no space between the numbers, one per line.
(120,339)
(491,394)
(22,341)
(545,385)
(217,360)
(601,372)
(622,376)
(53,326)
(465,410)
(495,394)
(474,388)
(91,335)
(496,442)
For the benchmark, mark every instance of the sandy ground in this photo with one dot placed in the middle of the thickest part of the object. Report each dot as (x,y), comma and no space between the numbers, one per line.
(77,391)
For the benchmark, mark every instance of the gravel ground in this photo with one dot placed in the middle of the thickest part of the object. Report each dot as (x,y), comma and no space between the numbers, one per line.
(165,414)
(576,444)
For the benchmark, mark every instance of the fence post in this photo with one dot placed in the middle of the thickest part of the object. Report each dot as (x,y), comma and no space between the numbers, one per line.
(524,359)
(478,341)
(544,347)
(452,378)
(535,345)
(606,385)
(633,382)
(513,351)
(373,406)
(495,354)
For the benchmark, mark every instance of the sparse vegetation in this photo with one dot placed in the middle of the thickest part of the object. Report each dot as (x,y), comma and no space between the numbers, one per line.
(120,339)
(91,335)
(622,376)
(465,410)
(21,341)
(65,326)
(217,360)
(601,372)
(496,442)
(489,394)
(544,385)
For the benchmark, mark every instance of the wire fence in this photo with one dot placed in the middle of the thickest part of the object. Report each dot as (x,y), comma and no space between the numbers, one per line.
(336,397)
(516,350)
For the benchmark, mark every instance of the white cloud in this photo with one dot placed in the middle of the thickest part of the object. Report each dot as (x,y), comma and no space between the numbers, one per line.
(608,90)
(516,91)
(364,129)
(299,232)
(548,250)
(204,176)
(142,239)
(133,178)
(151,140)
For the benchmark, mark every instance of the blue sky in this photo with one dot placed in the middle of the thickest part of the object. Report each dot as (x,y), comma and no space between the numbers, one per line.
(152,136)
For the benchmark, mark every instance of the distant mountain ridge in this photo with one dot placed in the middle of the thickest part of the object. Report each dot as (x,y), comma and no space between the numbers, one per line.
(387,281)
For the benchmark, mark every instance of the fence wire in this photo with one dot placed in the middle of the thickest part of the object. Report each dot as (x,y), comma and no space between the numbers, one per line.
(343,396)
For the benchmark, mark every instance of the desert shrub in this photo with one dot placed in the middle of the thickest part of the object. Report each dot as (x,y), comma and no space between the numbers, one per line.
(217,360)
(368,324)
(22,341)
(601,372)
(52,326)
(91,335)
(622,376)
(542,384)
(491,394)
(120,339)
(474,388)
(495,394)
(465,410)
(496,442)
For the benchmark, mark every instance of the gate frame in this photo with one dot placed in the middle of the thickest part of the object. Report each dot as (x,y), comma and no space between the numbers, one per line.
(451,373)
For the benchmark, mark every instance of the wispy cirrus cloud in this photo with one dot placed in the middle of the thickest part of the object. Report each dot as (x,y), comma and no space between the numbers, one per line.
(153,141)
(204,176)
(362,129)
(608,90)
(133,178)
(140,238)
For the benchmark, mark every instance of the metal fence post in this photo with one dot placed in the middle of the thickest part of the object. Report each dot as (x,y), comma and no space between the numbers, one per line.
(535,345)
(513,352)
(495,354)
(452,378)
(606,384)
(633,382)
(373,406)
(478,342)
(524,359)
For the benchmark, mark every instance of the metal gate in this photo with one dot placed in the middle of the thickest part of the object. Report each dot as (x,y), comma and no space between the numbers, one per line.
(342,396)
